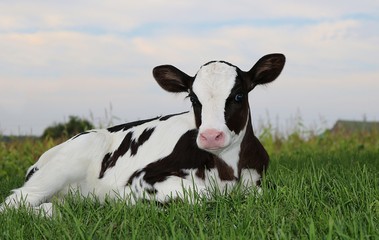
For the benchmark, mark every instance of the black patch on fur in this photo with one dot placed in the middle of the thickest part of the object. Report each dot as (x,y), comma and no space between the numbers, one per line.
(105,164)
(30,173)
(258,183)
(80,134)
(151,191)
(185,155)
(164,118)
(236,113)
(133,176)
(110,159)
(225,172)
(126,126)
(227,63)
(252,154)
(141,140)
(197,108)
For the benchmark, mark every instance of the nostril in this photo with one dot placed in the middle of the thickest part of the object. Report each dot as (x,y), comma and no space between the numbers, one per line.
(219,136)
(203,137)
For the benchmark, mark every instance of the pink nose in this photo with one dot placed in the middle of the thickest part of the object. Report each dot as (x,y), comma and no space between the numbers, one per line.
(211,139)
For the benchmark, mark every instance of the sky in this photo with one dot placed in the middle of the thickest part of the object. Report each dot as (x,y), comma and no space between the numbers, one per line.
(93,59)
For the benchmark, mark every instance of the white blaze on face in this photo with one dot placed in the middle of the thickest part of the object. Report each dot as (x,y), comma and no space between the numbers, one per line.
(212,87)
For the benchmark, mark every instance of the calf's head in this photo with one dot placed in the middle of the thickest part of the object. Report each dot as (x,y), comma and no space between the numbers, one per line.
(219,96)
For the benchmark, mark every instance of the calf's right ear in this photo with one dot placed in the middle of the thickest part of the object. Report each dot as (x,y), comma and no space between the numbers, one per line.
(172,79)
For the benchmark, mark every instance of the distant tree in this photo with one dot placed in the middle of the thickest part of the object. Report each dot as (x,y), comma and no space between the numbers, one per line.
(74,126)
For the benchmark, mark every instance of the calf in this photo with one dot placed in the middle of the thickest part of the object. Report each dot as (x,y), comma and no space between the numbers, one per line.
(163,158)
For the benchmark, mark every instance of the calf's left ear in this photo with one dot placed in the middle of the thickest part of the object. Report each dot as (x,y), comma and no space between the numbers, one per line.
(266,70)
(172,79)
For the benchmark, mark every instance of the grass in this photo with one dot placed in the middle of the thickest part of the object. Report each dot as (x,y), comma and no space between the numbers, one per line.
(322,187)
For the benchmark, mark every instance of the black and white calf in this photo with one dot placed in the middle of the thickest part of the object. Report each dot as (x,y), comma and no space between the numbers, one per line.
(212,145)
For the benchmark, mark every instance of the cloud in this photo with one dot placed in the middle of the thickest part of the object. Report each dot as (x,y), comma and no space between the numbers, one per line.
(123,16)
(62,58)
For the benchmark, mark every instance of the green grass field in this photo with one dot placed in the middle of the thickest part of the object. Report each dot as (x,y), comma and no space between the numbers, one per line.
(325,187)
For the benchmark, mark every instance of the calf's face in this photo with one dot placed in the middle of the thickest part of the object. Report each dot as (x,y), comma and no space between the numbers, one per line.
(220,105)
(219,96)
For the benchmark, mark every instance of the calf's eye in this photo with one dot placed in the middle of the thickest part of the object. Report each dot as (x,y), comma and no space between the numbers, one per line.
(238,97)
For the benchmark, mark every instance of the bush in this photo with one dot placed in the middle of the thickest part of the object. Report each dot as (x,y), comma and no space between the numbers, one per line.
(74,126)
